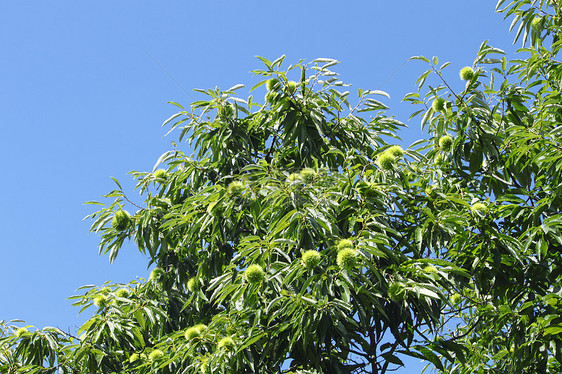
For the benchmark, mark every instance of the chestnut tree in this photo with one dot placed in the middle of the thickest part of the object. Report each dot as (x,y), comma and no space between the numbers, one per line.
(294,234)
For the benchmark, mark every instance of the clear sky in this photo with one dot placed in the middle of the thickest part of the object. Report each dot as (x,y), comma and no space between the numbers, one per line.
(82,99)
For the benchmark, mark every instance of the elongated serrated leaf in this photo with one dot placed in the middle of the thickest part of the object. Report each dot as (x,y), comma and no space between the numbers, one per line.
(236,87)
(324,60)
(421,58)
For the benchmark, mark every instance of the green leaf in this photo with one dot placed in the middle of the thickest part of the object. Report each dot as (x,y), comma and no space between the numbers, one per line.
(235,87)
(421,58)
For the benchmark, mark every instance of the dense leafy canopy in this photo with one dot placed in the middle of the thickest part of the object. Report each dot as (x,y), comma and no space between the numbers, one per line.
(299,237)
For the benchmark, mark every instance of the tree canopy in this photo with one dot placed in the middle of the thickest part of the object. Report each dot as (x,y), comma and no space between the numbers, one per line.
(295,234)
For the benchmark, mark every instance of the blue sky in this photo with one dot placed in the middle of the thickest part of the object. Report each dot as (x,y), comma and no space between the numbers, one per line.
(82,100)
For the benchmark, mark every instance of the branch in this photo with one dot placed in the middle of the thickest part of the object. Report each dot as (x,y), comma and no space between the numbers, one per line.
(126,198)
(392,350)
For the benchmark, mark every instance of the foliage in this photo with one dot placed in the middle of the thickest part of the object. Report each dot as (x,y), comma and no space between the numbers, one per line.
(298,239)
(498,202)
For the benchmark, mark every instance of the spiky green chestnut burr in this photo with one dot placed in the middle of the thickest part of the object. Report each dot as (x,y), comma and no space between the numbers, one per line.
(445,143)
(311,258)
(122,292)
(456,298)
(156,274)
(21,332)
(466,73)
(386,161)
(121,220)
(536,21)
(291,87)
(396,151)
(347,258)
(344,243)
(254,274)
(160,174)
(438,104)
(307,175)
(235,188)
(439,159)
(273,84)
(195,331)
(191,333)
(397,292)
(293,177)
(100,301)
(155,355)
(226,343)
(201,326)
(431,192)
(193,284)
